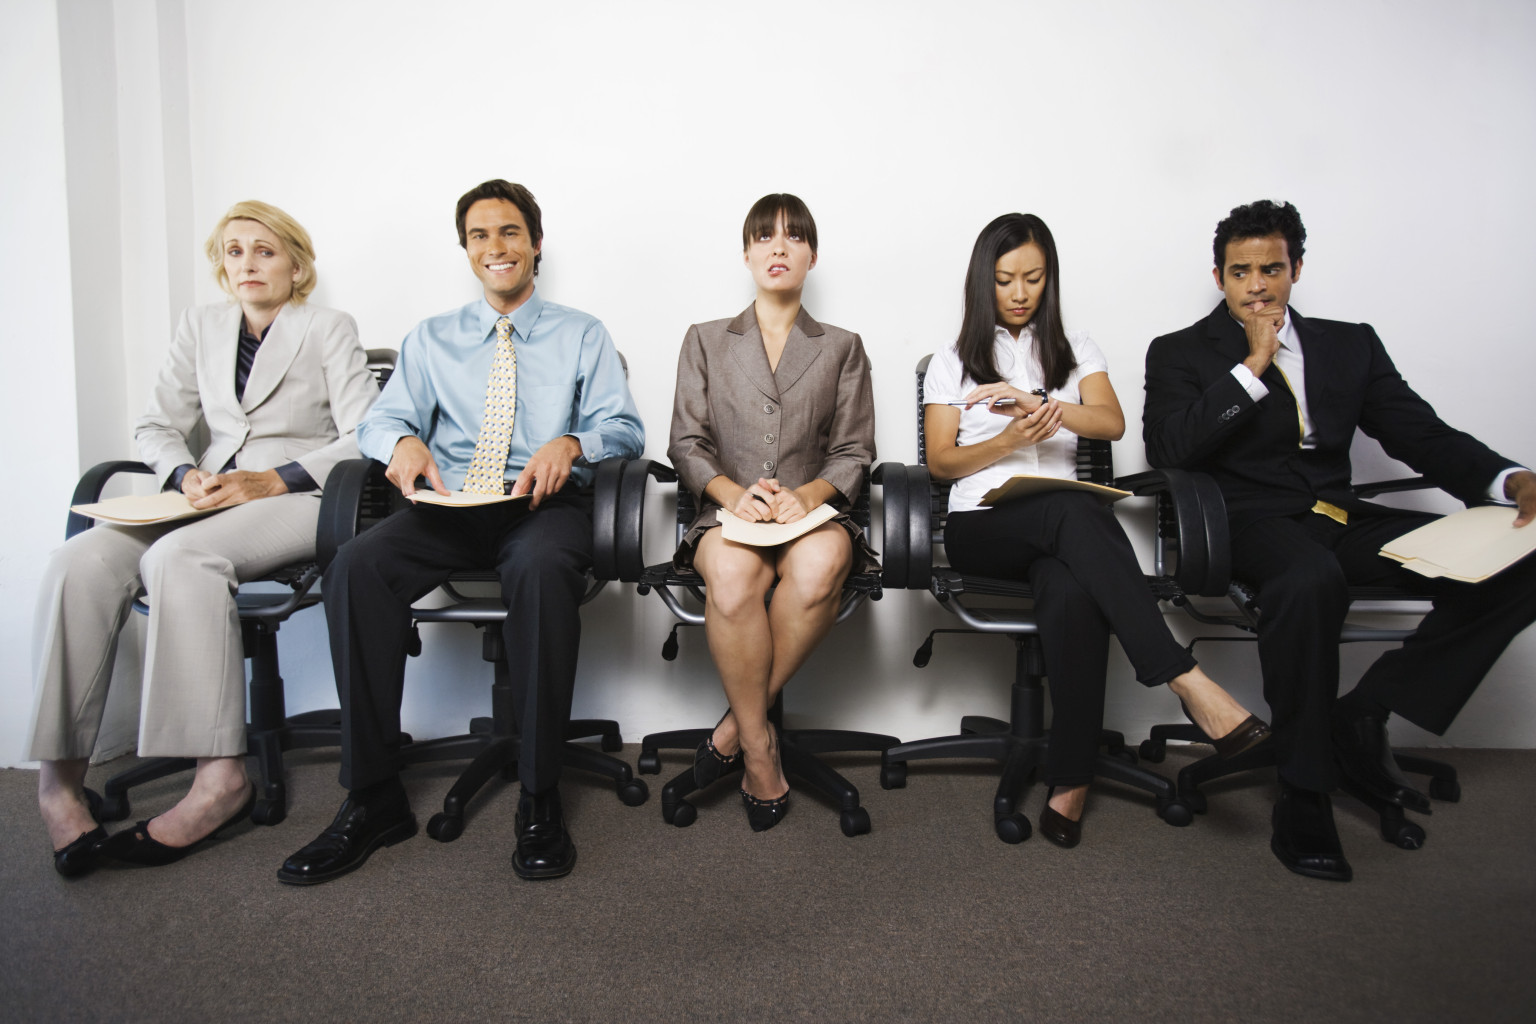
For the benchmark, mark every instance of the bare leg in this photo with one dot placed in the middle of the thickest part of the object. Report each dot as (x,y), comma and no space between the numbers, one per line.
(218,790)
(1069,802)
(737,579)
(1213,709)
(61,799)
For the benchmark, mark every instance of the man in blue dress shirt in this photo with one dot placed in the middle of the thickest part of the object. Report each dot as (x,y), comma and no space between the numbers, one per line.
(572,409)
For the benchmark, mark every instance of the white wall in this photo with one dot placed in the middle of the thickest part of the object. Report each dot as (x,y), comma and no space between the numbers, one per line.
(1403,131)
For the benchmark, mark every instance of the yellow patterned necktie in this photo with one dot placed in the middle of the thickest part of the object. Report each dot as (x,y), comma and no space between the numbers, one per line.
(488,469)
(1322,508)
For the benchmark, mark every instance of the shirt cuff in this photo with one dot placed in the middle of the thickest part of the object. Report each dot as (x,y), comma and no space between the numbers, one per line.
(591,442)
(1496,489)
(297,478)
(1251,384)
(173,482)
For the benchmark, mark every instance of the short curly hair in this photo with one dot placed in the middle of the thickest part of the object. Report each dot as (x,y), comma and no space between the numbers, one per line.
(1260,220)
(290,235)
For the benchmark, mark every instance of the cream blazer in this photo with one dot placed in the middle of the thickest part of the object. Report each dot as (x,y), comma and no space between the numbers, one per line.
(308,387)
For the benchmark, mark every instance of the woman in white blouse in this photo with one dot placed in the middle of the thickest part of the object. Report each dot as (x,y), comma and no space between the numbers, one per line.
(1067,545)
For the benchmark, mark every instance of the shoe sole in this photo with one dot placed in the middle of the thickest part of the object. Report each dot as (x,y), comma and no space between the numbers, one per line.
(1326,876)
(544,874)
(389,837)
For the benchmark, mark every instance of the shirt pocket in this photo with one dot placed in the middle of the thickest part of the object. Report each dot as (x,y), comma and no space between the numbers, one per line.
(544,412)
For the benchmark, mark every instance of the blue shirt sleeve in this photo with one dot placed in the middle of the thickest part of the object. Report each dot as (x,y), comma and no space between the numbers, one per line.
(405,407)
(608,424)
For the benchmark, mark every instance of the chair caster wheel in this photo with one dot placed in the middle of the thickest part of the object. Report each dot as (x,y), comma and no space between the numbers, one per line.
(684,814)
(1176,813)
(1448,790)
(855,822)
(893,775)
(612,742)
(1153,750)
(649,763)
(113,808)
(1012,828)
(445,828)
(269,812)
(633,793)
(1403,834)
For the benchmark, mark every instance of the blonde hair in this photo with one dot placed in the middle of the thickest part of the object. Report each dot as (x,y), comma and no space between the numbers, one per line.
(290,233)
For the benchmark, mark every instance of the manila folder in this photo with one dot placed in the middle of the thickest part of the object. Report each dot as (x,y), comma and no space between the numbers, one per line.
(142,509)
(767,535)
(1025,485)
(1469,546)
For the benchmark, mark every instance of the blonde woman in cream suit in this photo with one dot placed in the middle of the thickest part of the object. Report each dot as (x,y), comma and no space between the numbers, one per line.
(280,386)
(773,416)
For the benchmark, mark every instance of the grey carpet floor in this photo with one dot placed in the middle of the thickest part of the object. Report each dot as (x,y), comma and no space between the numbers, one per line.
(928,918)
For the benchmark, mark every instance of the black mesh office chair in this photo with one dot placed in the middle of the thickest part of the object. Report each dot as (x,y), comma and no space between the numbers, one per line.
(270,731)
(914,513)
(360,497)
(683,595)
(1193,557)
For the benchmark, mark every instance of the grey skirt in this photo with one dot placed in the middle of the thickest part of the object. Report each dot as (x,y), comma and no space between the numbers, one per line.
(864,558)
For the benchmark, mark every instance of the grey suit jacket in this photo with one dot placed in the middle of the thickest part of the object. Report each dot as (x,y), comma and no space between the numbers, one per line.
(812,417)
(307,390)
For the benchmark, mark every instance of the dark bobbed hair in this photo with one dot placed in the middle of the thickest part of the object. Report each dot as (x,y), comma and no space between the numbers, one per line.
(978,328)
(765,214)
(517,195)
(1260,220)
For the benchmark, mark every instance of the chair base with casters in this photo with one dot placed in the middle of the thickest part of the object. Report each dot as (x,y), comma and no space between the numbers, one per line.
(1021,744)
(1192,556)
(798,747)
(270,732)
(492,744)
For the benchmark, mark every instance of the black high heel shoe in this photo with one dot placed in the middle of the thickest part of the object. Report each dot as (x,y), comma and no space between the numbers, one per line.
(79,856)
(135,846)
(1057,827)
(762,815)
(709,764)
(1250,732)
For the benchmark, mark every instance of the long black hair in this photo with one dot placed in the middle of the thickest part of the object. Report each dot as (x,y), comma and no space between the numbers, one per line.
(978,328)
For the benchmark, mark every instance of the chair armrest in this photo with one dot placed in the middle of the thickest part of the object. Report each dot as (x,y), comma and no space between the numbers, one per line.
(1192,523)
(92,483)
(629,516)
(906,526)
(341,505)
(1412,483)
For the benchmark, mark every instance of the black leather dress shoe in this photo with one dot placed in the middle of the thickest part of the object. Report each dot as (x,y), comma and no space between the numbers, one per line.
(1305,838)
(361,826)
(544,847)
(1364,755)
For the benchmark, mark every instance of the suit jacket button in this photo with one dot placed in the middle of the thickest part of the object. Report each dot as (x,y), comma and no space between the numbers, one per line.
(768,409)
(767,439)
(768,466)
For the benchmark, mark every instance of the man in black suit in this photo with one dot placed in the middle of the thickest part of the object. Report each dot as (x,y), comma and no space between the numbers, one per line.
(1267,402)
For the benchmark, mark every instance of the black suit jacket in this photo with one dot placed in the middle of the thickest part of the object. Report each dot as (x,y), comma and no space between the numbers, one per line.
(1197,416)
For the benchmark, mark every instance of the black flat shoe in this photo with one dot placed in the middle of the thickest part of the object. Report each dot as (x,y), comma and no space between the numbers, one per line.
(135,846)
(1305,839)
(1364,756)
(1250,732)
(79,857)
(1057,827)
(762,815)
(360,827)
(544,847)
(709,764)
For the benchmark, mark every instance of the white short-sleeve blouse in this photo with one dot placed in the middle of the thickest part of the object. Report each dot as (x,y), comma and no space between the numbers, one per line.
(1020,366)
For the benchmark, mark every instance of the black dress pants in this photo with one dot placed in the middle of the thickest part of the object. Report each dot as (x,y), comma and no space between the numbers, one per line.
(1087,583)
(1302,566)
(542,558)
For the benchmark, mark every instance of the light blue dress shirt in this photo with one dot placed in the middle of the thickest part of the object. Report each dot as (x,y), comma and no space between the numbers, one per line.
(569,381)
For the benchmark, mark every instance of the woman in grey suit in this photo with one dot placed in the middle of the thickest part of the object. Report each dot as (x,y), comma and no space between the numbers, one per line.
(773,417)
(280,386)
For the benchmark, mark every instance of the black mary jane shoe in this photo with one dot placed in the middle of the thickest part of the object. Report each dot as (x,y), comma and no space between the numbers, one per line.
(762,815)
(709,764)
(1057,827)
(1250,732)
(136,847)
(79,857)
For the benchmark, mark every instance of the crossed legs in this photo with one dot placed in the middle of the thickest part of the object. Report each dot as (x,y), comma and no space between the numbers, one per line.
(758,645)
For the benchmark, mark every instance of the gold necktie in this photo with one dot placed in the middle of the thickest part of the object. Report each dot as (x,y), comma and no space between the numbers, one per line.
(1322,508)
(488,469)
